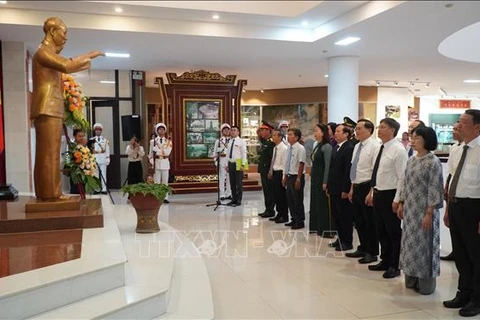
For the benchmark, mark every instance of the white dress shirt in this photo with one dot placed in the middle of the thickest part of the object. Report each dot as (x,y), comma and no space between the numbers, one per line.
(239,150)
(135,155)
(469,181)
(298,155)
(280,152)
(391,170)
(366,161)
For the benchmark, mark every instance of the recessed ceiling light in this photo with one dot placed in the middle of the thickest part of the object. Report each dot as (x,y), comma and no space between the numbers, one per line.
(326,76)
(3,2)
(305,23)
(471,81)
(107,81)
(117,55)
(118,10)
(243,90)
(215,17)
(262,91)
(347,41)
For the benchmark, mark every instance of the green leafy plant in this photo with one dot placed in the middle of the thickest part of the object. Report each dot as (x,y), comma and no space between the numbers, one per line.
(159,191)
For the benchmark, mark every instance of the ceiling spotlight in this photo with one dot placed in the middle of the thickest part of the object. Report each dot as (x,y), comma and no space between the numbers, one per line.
(346,41)
(262,91)
(304,23)
(427,84)
(377,83)
(443,92)
(326,76)
(215,17)
(412,84)
(396,83)
(243,90)
(449,5)
(118,10)
(117,55)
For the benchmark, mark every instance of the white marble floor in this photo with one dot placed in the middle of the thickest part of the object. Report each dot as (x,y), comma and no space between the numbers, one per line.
(262,270)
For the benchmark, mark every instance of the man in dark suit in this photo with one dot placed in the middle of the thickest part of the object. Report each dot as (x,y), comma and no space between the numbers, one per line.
(338,187)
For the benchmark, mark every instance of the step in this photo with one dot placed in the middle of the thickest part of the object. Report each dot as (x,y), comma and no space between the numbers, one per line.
(128,302)
(100,268)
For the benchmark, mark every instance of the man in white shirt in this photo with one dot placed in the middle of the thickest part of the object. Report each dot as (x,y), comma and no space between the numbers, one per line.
(276,174)
(221,160)
(463,216)
(237,160)
(294,179)
(363,160)
(387,183)
(159,155)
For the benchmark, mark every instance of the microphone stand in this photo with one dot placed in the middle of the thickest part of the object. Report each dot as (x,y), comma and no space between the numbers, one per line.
(218,203)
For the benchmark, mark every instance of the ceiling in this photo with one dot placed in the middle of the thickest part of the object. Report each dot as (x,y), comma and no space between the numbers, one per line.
(265,42)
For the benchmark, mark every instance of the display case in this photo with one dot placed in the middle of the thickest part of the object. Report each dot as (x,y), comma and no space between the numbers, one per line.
(251,119)
(443,126)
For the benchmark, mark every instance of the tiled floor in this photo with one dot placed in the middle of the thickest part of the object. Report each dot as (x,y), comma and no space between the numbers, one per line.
(262,270)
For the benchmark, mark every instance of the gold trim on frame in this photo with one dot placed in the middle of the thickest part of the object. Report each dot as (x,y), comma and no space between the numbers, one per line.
(196,178)
(201,77)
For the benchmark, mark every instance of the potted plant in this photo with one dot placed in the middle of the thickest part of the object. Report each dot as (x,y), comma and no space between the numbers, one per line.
(147,198)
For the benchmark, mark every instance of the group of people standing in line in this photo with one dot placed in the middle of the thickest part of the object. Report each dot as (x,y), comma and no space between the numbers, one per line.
(374,185)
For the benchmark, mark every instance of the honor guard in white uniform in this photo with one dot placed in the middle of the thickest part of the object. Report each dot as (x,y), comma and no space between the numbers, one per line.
(101,150)
(221,159)
(283,126)
(160,149)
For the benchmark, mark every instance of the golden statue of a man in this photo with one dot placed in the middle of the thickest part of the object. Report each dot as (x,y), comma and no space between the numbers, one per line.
(47,109)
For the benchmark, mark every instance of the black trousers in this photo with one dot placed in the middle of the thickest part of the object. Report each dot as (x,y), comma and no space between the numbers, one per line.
(267,187)
(135,172)
(295,199)
(464,217)
(343,218)
(236,182)
(279,195)
(388,227)
(364,219)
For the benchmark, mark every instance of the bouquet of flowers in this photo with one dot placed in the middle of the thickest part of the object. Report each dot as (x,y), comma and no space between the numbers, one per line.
(75,101)
(82,167)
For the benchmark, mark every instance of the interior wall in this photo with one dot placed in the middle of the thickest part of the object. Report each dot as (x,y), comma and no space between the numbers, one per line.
(394,97)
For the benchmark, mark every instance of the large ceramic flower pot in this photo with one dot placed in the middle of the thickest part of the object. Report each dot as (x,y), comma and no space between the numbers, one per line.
(147,212)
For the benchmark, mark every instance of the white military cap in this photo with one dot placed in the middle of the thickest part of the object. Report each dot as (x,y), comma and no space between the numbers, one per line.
(161,124)
(97,126)
(283,123)
(224,125)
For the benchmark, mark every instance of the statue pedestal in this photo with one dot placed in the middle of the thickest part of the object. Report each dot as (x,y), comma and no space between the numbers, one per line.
(69,203)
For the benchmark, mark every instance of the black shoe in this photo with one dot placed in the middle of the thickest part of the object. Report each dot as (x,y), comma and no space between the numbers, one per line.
(470,310)
(344,247)
(238,203)
(391,273)
(356,254)
(273,219)
(382,266)
(289,224)
(281,220)
(334,244)
(460,301)
(297,226)
(104,192)
(267,214)
(166,201)
(96,192)
(449,257)
(368,258)
(232,204)
(222,198)
(228,198)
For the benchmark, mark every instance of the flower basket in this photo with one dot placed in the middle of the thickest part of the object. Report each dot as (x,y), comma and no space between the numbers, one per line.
(147,198)
(81,166)
(75,101)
